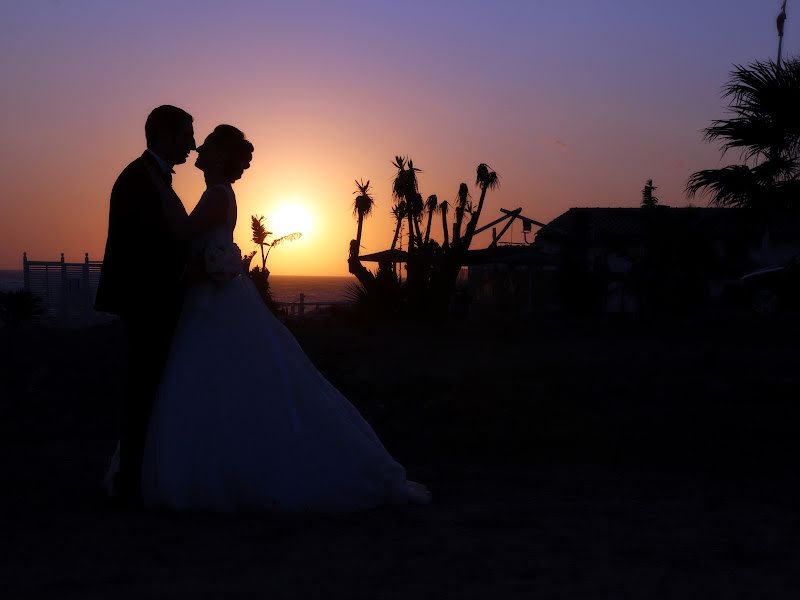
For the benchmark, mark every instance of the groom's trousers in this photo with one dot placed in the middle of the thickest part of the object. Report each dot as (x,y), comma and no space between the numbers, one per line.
(148,342)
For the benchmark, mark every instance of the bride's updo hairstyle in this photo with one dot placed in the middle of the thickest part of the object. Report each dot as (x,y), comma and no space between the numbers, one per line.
(237,152)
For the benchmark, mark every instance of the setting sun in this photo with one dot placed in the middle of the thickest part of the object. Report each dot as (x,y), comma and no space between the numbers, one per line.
(289,218)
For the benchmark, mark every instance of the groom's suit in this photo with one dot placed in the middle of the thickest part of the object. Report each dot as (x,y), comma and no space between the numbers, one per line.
(139,281)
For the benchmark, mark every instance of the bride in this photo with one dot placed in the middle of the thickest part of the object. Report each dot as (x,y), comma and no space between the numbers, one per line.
(243,419)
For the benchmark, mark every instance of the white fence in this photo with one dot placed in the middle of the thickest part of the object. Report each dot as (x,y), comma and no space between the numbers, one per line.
(66,290)
(300,309)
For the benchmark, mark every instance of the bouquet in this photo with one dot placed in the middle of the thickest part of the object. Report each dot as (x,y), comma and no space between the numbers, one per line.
(223,261)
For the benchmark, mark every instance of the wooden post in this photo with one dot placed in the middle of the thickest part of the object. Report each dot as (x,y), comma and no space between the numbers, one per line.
(63,296)
(87,299)
(511,216)
(26,276)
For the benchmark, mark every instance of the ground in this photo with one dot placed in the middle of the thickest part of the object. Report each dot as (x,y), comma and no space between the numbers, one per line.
(567,460)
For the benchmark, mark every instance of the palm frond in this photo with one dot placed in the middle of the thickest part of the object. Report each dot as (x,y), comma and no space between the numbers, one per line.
(432,203)
(286,238)
(260,232)
(486,178)
(462,195)
(735,186)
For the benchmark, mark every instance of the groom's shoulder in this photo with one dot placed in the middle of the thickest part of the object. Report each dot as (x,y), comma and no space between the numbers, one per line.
(135,171)
(136,167)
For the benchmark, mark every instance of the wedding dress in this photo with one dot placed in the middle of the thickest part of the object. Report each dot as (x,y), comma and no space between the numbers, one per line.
(244,420)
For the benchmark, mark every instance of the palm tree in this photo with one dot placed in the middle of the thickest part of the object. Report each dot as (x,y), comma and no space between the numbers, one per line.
(461,205)
(416,209)
(399,213)
(404,187)
(648,199)
(486,179)
(431,205)
(443,208)
(362,207)
(260,235)
(765,129)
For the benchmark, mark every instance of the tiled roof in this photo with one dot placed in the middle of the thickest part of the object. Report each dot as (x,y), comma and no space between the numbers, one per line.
(636,223)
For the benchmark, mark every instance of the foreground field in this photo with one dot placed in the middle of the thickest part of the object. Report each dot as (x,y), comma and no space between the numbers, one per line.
(566,460)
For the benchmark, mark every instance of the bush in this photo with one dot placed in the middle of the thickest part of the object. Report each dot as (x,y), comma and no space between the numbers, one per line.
(19,307)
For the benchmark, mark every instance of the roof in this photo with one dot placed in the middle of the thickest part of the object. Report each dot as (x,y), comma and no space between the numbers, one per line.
(633,224)
(519,254)
(395,255)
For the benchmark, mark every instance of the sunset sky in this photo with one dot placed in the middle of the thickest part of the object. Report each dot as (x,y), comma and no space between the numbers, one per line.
(572,103)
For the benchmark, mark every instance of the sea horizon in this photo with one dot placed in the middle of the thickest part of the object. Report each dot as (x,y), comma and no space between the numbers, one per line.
(284,288)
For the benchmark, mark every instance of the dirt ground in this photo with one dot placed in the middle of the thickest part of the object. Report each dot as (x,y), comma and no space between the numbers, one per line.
(566,460)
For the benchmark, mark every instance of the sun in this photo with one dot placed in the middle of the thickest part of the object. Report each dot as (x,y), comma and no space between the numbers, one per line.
(290,217)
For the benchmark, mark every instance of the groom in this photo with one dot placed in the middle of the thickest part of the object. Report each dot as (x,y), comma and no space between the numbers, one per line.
(139,281)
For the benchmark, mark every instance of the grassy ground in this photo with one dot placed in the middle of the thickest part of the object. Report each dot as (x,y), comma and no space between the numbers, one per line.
(608,460)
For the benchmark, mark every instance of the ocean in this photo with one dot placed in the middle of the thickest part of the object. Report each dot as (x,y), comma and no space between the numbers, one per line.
(285,288)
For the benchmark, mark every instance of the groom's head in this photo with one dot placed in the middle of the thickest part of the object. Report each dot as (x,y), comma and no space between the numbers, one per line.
(170,134)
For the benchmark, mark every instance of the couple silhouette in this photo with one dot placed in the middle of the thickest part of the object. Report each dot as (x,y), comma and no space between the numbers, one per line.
(222,411)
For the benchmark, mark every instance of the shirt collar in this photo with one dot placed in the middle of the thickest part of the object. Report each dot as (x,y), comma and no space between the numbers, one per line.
(165,167)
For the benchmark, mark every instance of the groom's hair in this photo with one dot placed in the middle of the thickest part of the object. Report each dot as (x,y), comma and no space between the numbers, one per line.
(164,121)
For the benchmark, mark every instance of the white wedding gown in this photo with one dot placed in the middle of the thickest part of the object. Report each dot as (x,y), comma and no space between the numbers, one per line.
(244,421)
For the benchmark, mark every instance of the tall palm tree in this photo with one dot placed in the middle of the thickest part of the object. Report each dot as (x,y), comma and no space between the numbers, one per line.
(404,187)
(399,213)
(485,179)
(461,205)
(431,205)
(416,210)
(765,129)
(443,208)
(362,207)
(649,200)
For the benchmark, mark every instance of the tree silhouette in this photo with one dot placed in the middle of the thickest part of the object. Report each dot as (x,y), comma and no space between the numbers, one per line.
(648,199)
(486,179)
(765,128)
(404,187)
(431,205)
(431,270)
(462,197)
(260,235)
(444,207)
(399,213)
(362,207)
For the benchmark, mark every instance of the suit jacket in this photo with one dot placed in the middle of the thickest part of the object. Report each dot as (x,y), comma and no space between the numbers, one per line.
(143,259)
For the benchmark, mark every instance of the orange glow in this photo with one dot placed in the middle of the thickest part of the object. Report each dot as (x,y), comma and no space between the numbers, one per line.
(561,107)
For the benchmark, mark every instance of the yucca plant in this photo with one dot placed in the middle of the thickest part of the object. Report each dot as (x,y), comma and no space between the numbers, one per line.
(431,205)
(362,207)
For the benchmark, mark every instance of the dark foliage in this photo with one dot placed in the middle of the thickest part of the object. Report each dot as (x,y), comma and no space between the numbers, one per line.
(19,307)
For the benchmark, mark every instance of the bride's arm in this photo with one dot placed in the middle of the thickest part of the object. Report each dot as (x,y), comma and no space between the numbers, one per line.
(209,212)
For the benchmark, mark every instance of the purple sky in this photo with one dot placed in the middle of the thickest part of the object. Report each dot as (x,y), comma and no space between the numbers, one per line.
(573,103)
